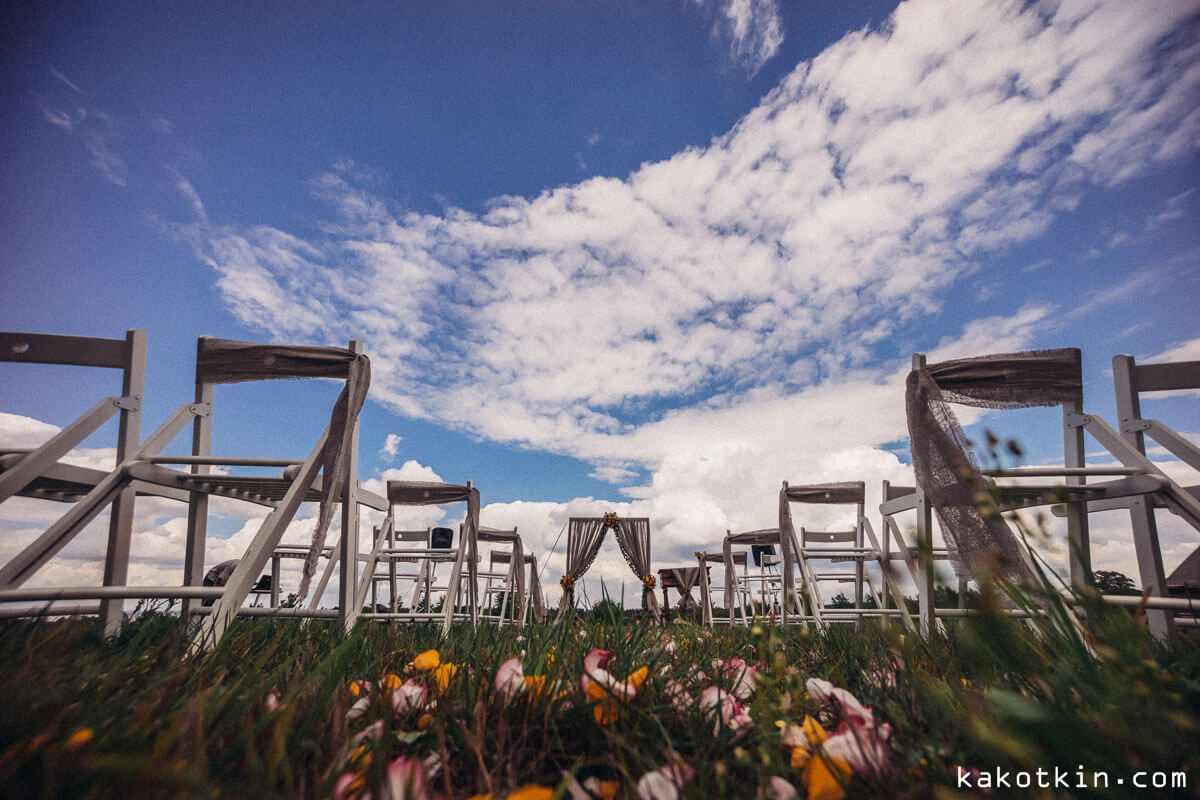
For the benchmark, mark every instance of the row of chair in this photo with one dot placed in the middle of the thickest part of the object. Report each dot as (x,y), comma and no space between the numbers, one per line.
(971,503)
(327,476)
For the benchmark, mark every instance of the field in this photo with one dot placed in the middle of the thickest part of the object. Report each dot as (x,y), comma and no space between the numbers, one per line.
(992,707)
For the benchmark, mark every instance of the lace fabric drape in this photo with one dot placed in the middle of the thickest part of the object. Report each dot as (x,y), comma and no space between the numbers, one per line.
(945,467)
(231,361)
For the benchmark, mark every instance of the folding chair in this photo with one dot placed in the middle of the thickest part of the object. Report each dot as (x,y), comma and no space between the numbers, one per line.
(951,483)
(775,581)
(461,591)
(40,473)
(224,361)
(1130,381)
(507,586)
(736,604)
(836,547)
(400,549)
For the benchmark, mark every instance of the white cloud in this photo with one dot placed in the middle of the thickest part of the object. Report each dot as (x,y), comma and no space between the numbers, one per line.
(835,213)
(720,318)
(1183,351)
(391,445)
(753,30)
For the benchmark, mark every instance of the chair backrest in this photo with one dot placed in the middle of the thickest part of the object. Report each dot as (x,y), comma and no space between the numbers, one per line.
(827,537)
(422,536)
(758,551)
(1131,380)
(127,355)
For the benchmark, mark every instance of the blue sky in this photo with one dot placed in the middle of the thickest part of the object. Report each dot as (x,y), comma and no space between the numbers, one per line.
(653,258)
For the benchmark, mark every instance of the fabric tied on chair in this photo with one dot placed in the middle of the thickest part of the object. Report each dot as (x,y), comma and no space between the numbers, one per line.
(945,466)
(831,493)
(231,361)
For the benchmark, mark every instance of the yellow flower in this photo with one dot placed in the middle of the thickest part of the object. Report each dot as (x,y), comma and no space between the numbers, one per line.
(826,778)
(80,738)
(536,683)
(427,660)
(800,758)
(813,732)
(424,722)
(391,682)
(531,791)
(443,674)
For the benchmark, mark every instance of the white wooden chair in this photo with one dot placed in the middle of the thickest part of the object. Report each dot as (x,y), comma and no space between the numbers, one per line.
(40,473)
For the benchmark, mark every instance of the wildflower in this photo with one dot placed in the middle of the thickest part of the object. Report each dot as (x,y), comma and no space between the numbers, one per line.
(726,709)
(406,779)
(532,791)
(681,701)
(535,683)
(443,675)
(424,721)
(665,782)
(865,750)
(359,688)
(358,709)
(780,789)
(591,789)
(410,696)
(427,661)
(599,684)
(350,786)
(510,679)
(826,778)
(743,676)
(391,681)
(825,693)
(80,738)
(270,701)
(813,731)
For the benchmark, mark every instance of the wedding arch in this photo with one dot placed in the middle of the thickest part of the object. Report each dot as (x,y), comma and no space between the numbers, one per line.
(584,537)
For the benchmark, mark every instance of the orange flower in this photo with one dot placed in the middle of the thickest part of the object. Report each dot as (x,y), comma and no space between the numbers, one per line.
(425,721)
(391,682)
(535,683)
(80,738)
(531,791)
(428,660)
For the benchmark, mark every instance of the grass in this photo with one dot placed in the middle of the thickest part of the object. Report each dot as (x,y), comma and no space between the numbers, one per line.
(265,714)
